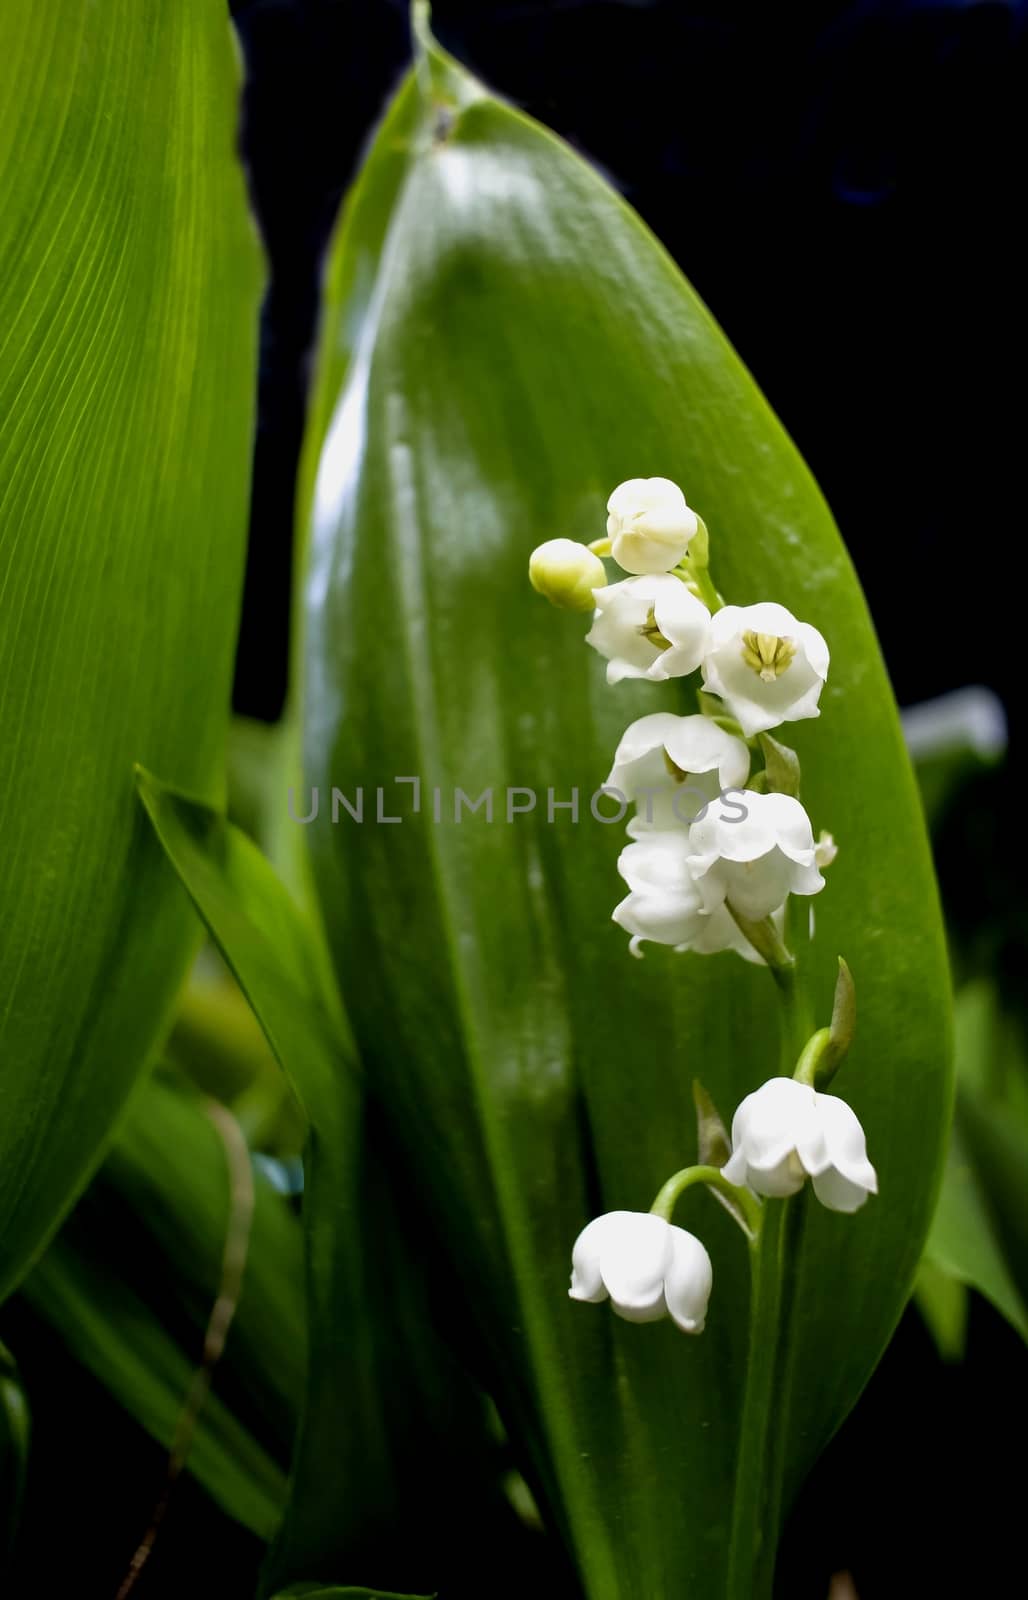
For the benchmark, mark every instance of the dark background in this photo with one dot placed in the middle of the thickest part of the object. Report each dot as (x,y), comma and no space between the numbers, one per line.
(843,185)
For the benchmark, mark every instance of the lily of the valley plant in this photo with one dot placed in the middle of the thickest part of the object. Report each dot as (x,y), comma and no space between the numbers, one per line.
(719,854)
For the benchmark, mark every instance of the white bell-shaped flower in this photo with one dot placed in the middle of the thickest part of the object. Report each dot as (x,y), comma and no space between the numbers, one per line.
(785,1132)
(664,903)
(766,666)
(649,525)
(751,851)
(566,573)
(648,1268)
(645,622)
(672,766)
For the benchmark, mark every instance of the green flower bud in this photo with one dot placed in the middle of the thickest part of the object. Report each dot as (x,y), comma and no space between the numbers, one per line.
(566,573)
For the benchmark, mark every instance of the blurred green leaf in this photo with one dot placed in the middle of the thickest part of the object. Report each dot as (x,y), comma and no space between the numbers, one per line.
(15,1434)
(963,1244)
(978,1236)
(942,1298)
(502,343)
(129,1284)
(112,1331)
(127,356)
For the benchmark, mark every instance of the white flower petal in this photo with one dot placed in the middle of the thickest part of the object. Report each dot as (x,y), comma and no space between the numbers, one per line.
(659,917)
(838,1193)
(639,758)
(785,1131)
(668,807)
(756,703)
(768,1123)
(777,1182)
(659,861)
(845,1141)
(696,745)
(688,1282)
(649,1311)
(586,1278)
(757,859)
(649,525)
(634,1258)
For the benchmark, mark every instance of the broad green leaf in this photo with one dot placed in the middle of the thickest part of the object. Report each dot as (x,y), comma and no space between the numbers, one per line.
(381,1384)
(525,346)
(128,308)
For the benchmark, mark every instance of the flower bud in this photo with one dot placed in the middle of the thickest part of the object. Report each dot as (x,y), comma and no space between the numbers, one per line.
(649,525)
(566,573)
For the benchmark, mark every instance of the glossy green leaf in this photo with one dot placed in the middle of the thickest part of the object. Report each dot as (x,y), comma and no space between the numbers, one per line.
(525,346)
(127,353)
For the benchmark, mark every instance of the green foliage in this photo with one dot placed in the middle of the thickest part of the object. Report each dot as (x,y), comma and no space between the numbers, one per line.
(128,309)
(384,1393)
(129,1282)
(979,1237)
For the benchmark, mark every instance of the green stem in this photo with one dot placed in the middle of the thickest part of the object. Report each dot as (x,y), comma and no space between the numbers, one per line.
(714,1178)
(774,1256)
(768,942)
(708,594)
(806,1070)
(747,1556)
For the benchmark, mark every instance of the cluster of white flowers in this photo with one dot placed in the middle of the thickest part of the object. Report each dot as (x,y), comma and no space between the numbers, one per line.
(715,852)
(705,849)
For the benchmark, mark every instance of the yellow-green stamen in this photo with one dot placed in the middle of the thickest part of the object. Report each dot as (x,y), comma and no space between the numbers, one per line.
(767,654)
(650,631)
